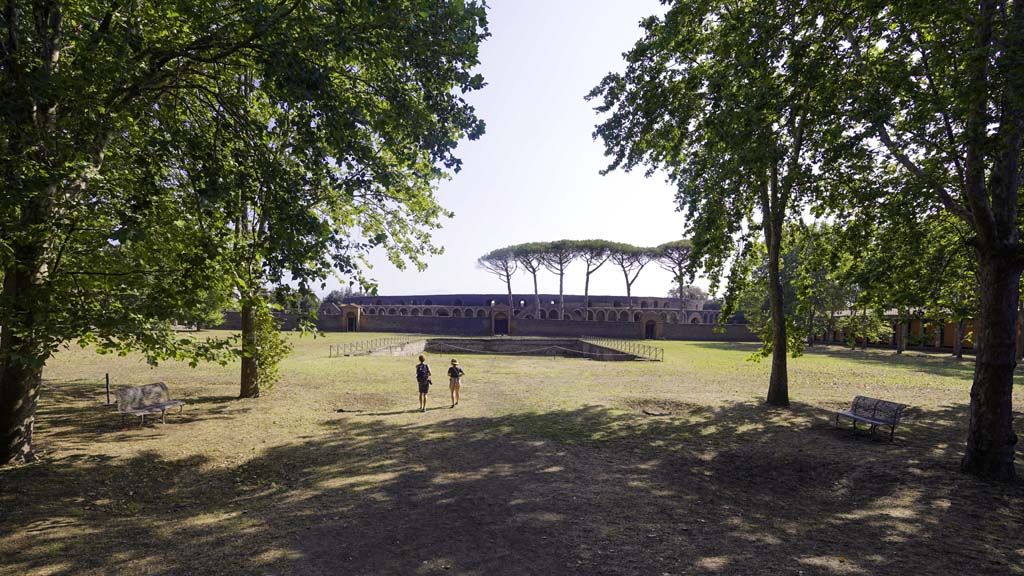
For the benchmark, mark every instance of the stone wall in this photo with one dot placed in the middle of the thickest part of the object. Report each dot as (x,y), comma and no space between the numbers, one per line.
(427,325)
(526,327)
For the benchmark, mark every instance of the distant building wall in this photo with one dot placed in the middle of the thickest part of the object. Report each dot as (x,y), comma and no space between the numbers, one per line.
(427,325)
(529,327)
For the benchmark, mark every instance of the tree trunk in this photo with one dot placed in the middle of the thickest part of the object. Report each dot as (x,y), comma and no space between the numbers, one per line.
(958,339)
(990,437)
(561,298)
(679,282)
(22,351)
(250,354)
(778,386)
(864,343)
(586,298)
(901,337)
(508,284)
(536,294)
(21,367)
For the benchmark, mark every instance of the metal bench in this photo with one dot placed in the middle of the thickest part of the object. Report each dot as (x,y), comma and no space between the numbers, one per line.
(874,412)
(148,399)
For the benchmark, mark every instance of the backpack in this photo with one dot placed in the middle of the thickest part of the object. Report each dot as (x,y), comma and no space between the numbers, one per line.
(421,372)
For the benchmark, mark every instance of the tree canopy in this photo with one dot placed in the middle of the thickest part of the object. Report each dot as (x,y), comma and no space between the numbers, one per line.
(141,140)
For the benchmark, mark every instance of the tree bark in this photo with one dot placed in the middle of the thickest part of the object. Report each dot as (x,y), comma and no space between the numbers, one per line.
(958,339)
(561,298)
(990,437)
(586,298)
(778,386)
(21,368)
(250,374)
(901,337)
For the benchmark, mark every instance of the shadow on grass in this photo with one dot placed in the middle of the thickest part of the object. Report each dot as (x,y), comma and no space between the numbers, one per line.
(929,362)
(740,489)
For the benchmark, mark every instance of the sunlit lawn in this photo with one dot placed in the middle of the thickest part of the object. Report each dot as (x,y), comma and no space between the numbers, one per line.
(548,466)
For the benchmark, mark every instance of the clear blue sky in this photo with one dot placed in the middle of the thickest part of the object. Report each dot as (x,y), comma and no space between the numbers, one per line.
(534,174)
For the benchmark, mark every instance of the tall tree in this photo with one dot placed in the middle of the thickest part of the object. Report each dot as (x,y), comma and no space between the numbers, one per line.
(502,263)
(593,253)
(529,258)
(556,257)
(723,97)
(941,92)
(674,258)
(105,207)
(630,260)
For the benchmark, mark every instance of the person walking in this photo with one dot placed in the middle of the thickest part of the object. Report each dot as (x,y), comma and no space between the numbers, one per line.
(455,381)
(423,380)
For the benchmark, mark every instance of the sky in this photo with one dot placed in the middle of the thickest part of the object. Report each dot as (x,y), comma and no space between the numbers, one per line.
(534,176)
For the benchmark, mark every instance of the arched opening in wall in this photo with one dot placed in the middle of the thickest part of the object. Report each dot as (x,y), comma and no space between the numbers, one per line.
(663,316)
(457,313)
(515,313)
(617,304)
(673,318)
(481,314)
(636,317)
(649,330)
(469,312)
(577,314)
(353,323)
(392,311)
(643,304)
(543,314)
(442,312)
(695,319)
(428,312)
(371,311)
(623,316)
(403,312)
(599,316)
(665,305)
(528,317)
(553,315)
(458,302)
(590,315)
(415,311)
(428,302)
(501,323)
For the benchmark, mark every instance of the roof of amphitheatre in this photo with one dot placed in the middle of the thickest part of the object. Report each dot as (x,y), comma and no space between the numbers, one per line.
(498,298)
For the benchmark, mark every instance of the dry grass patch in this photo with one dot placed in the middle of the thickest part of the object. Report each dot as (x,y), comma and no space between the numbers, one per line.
(548,466)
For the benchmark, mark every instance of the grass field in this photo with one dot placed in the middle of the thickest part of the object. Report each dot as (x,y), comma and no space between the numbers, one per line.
(547,466)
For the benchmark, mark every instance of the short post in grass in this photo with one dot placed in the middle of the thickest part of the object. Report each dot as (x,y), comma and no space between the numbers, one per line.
(107,378)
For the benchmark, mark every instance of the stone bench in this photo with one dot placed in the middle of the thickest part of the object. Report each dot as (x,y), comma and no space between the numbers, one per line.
(873,412)
(148,399)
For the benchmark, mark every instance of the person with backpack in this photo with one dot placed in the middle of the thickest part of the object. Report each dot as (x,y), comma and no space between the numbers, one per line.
(423,379)
(455,381)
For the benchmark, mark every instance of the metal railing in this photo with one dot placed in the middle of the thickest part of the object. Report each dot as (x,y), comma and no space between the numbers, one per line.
(369,346)
(637,349)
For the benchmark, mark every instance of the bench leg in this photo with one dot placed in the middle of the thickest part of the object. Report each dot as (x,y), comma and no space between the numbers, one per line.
(142,420)
(162,414)
(892,432)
